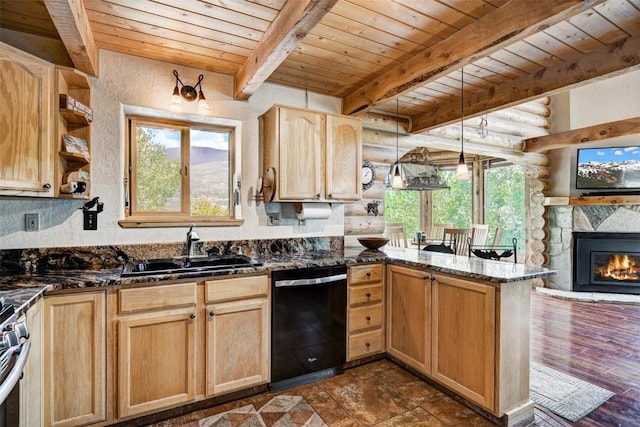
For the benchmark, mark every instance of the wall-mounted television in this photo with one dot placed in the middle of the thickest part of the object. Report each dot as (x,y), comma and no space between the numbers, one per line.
(608,168)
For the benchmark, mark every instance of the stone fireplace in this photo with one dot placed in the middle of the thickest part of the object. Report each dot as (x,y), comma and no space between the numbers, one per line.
(606,262)
(566,222)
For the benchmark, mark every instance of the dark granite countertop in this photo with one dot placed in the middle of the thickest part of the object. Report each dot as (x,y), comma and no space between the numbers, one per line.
(23,290)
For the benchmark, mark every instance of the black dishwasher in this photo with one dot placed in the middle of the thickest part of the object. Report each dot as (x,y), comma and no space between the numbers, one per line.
(308,325)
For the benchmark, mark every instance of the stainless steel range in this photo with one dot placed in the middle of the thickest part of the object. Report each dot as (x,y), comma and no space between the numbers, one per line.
(14,350)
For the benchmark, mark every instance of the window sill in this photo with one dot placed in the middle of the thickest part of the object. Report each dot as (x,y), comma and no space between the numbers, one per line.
(155,222)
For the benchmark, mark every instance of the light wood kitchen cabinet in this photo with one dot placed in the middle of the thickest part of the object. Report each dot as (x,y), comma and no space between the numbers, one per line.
(313,156)
(409,316)
(464,336)
(26,104)
(470,336)
(344,158)
(156,347)
(366,311)
(31,385)
(237,333)
(74,358)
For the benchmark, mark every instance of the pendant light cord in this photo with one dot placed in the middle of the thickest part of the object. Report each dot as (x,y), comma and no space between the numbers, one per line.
(397,131)
(462,111)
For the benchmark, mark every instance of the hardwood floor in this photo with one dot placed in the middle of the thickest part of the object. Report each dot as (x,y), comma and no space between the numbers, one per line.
(596,342)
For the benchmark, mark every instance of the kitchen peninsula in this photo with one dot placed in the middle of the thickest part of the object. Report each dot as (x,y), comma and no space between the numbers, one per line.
(462,323)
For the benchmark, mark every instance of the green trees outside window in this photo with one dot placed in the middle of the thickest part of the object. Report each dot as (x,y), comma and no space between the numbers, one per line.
(504,204)
(177,169)
(452,205)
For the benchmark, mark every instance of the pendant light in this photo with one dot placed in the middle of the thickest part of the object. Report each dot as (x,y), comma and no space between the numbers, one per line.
(462,171)
(397,178)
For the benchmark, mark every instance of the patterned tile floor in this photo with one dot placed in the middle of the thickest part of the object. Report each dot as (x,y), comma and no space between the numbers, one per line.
(376,394)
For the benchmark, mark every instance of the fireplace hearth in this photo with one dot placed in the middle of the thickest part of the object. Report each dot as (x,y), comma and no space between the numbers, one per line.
(606,262)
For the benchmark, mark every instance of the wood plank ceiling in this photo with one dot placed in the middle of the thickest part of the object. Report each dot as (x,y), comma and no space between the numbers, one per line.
(368,52)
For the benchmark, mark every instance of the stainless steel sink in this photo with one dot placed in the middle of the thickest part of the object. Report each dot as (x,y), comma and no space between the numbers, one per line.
(186,265)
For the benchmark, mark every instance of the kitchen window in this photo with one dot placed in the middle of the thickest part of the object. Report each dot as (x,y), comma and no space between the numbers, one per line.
(179,173)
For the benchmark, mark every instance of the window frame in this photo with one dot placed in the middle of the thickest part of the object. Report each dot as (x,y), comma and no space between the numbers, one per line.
(137,219)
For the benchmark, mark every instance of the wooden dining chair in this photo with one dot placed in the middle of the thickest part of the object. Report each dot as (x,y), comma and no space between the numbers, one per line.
(497,237)
(458,238)
(479,234)
(437,230)
(396,233)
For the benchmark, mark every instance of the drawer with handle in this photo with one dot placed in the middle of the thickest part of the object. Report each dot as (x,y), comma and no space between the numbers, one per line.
(366,273)
(365,344)
(365,317)
(359,295)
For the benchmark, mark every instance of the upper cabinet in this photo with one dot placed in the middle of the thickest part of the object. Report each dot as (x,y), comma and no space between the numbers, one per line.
(310,156)
(73,173)
(44,153)
(26,167)
(344,158)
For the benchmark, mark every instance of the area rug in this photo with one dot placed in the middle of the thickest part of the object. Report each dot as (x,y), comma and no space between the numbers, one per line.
(564,395)
(280,411)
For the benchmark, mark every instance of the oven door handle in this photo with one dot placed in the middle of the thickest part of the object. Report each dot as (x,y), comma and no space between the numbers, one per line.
(314,281)
(16,372)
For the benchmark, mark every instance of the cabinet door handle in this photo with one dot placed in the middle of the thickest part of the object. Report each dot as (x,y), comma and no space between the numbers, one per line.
(368,318)
(368,295)
(330,195)
(367,344)
(211,314)
(433,279)
(318,196)
(192,316)
(46,186)
(368,274)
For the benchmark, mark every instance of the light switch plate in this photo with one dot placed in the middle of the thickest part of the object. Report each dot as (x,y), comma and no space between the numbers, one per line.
(31,222)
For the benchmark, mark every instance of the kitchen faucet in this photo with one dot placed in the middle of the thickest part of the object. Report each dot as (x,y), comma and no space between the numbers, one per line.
(192,236)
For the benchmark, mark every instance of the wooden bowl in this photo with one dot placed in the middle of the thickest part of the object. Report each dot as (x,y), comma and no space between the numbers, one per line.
(373,242)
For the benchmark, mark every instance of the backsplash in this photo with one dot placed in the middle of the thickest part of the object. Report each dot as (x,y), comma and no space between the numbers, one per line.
(40,260)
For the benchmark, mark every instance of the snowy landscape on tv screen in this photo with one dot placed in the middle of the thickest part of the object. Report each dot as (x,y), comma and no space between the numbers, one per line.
(609,168)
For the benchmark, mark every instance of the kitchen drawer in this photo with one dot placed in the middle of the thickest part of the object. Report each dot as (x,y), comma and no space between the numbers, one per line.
(160,296)
(366,273)
(365,344)
(236,288)
(365,317)
(365,294)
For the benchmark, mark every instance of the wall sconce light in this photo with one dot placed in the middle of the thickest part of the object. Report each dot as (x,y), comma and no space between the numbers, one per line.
(189,93)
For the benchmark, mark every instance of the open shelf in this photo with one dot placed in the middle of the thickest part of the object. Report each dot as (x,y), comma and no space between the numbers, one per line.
(74,118)
(74,157)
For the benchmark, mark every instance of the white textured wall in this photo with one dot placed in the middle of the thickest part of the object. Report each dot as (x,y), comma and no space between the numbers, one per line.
(131,81)
(604,101)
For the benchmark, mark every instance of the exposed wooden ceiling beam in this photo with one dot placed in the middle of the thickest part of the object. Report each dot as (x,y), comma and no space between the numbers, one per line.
(583,135)
(70,19)
(292,24)
(614,58)
(507,24)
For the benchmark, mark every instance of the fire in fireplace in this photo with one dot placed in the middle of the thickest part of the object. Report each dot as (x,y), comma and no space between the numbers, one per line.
(606,262)
(617,267)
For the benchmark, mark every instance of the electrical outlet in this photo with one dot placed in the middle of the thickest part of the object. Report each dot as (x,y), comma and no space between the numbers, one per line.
(90,220)
(31,222)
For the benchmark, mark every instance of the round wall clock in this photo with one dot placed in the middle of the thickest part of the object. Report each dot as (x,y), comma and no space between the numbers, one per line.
(368,174)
